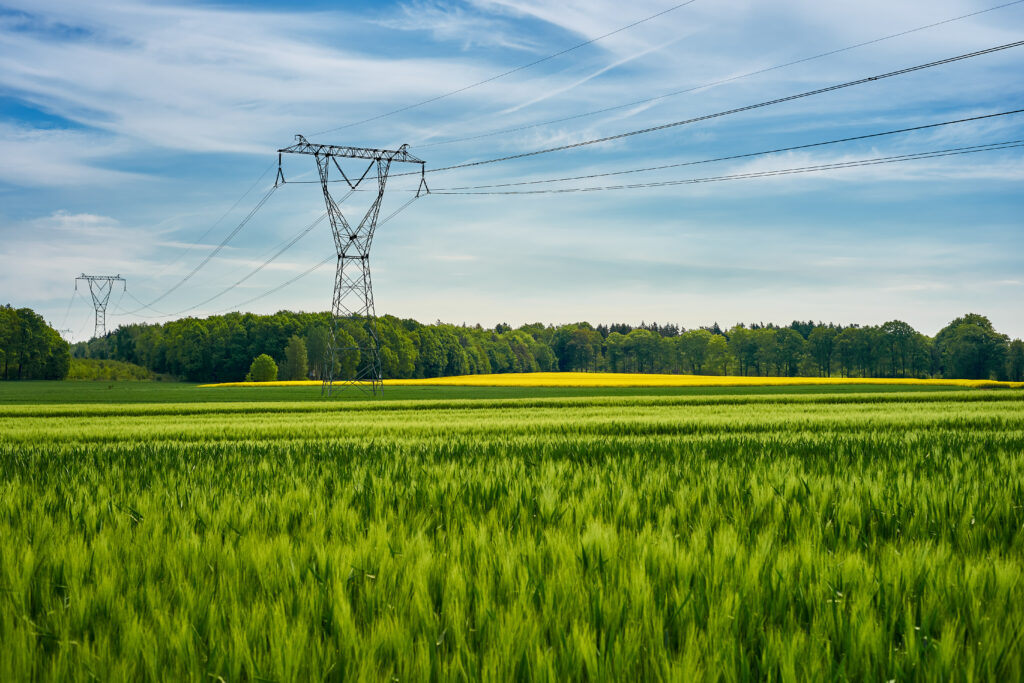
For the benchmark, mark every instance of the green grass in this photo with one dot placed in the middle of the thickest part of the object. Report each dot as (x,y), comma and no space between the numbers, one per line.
(543,536)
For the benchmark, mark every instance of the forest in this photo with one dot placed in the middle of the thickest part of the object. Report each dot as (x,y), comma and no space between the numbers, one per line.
(223,348)
(29,348)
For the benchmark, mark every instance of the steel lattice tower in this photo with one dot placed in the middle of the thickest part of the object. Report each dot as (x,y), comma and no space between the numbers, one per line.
(353,288)
(100,287)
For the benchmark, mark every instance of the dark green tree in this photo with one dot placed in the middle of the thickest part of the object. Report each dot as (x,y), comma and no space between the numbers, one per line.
(821,346)
(970,348)
(29,348)
(296,364)
(1015,361)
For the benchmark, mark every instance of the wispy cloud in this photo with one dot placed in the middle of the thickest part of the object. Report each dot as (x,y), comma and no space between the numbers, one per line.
(456,23)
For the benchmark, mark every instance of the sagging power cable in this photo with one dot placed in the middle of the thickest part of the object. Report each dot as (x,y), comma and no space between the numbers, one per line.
(718,82)
(955,151)
(317,266)
(209,256)
(737,110)
(733,157)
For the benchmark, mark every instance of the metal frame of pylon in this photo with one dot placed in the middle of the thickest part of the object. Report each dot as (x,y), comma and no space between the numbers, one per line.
(353,287)
(100,287)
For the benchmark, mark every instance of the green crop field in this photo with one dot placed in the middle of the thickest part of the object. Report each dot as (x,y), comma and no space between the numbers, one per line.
(175,533)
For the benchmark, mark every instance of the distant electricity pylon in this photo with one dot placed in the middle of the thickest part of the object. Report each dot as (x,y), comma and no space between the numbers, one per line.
(100,287)
(353,291)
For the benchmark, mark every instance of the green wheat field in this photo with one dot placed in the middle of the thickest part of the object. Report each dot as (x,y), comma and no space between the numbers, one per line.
(769,535)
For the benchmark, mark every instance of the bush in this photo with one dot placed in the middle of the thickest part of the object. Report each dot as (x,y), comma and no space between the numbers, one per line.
(263,369)
(109,370)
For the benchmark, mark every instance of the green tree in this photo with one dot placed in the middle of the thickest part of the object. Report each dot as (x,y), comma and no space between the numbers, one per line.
(263,369)
(743,346)
(789,345)
(347,355)
(317,340)
(296,364)
(693,349)
(899,342)
(614,345)
(1015,361)
(29,348)
(970,348)
(821,346)
(716,357)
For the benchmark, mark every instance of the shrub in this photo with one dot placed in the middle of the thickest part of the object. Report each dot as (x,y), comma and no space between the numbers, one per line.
(263,369)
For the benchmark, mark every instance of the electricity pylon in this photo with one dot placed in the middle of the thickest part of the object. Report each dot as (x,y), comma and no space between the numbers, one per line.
(100,287)
(353,290)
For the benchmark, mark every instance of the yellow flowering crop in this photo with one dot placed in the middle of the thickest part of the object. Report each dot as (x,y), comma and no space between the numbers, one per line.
(615,379)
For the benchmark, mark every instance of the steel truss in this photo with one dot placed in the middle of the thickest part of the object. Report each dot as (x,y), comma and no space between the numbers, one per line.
(353,288)
(100,287)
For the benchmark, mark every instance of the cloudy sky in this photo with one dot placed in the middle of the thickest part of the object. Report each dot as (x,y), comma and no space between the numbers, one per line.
(135,136)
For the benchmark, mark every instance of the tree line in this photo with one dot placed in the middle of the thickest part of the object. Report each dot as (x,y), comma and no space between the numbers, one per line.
(223,348)
(29,348)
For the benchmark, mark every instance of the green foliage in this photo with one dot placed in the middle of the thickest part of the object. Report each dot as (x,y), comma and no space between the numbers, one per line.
(317,343)
(346,355)
(263,369)
(220,347)
(1015,361)
(296,365)
(29,348)
(108,370)
(971,349)
(661,538)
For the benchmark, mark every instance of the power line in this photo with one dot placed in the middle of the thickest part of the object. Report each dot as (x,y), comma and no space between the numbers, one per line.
(285,247)
(282,248)
(281,286)
(315,267)
(955,151)
(734,156)
(727,112)
(209,256)
(225,215)
(718,82)
(67,312)
(263,265)
(510,71)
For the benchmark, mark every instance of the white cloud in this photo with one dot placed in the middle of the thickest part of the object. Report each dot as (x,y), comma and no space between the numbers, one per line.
(59,158)
(455,23)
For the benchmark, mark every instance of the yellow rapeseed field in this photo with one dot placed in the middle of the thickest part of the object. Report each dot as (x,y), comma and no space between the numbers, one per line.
(616,379)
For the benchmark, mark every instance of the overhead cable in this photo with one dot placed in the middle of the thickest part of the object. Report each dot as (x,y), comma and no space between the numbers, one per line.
(209,256)
(225,215)
(716,83)
(510,71)
(1009,144)
(327,260)
(749,107)
(735,156)
(291,243)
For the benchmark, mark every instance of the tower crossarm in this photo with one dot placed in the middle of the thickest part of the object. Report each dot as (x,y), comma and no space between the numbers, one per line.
(303,146)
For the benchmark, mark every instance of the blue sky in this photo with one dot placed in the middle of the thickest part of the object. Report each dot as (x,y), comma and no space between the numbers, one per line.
(128,129)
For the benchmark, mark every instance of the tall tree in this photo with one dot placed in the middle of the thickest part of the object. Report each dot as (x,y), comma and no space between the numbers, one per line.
(821,346)
(317,339)
(296,364)
(1015,361)
(971,349)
